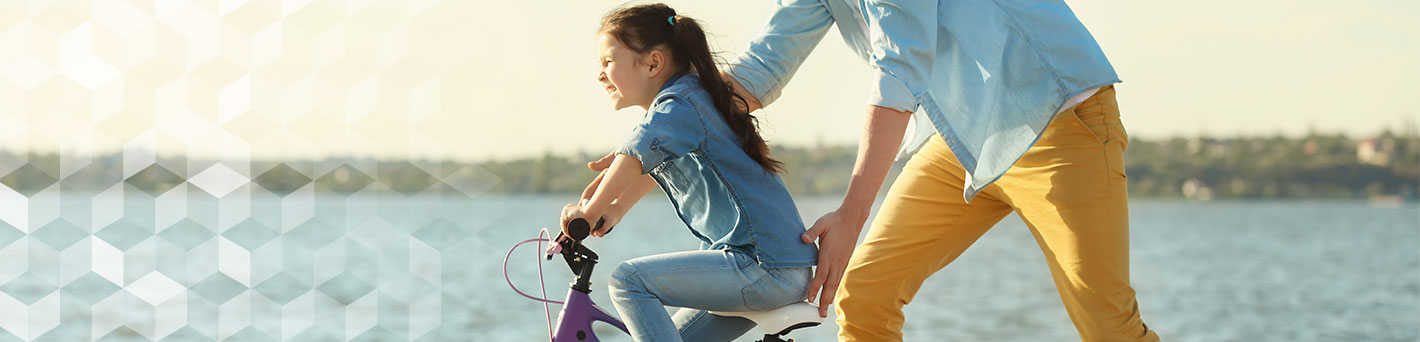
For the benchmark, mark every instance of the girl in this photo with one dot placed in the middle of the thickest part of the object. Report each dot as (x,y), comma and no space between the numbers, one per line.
(701,146)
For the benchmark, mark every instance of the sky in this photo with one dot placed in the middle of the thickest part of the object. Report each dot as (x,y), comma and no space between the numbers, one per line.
(1211,67)
(480,80)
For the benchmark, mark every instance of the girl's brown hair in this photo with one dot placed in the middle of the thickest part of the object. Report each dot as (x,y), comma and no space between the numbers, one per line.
(646,27)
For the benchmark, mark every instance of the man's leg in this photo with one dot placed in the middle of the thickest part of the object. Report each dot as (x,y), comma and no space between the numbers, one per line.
(1070,190)
(922,226)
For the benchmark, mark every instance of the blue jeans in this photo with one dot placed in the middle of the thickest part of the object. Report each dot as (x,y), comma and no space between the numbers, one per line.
(700,281)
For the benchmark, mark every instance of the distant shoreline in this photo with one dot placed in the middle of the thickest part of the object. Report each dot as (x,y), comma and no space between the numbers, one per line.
(1380,169)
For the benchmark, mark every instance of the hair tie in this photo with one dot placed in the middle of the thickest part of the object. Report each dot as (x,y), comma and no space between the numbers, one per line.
(671,19)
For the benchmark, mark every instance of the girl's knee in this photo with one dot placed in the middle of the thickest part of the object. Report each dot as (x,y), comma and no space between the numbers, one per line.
(623,276)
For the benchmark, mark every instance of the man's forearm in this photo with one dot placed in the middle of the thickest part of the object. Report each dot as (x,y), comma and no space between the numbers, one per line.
(882,134)
(751,103)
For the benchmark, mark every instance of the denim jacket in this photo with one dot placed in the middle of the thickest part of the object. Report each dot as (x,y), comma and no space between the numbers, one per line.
(726,199)
(988,74)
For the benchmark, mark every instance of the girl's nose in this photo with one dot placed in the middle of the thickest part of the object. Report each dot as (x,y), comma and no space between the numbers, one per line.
(601,76)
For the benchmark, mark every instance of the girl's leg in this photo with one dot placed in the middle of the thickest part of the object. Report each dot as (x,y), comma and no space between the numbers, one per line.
(923,225)
(699,325)
(1070,191)
(706,280)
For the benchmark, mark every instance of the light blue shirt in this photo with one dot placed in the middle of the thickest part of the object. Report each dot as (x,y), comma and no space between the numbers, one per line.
(728,201)
(988,74)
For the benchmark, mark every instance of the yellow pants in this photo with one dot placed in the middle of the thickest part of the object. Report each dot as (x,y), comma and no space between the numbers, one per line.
(1069,188)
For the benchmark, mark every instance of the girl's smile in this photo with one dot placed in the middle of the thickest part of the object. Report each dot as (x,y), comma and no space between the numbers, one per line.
(630,78)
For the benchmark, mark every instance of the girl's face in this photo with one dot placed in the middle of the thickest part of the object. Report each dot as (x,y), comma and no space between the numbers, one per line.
(628,77)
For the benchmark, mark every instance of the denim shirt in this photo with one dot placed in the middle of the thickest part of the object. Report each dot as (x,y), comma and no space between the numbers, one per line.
(988,74)
(726,199)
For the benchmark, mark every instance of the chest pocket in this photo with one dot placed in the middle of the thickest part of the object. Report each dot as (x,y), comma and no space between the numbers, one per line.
(696,191)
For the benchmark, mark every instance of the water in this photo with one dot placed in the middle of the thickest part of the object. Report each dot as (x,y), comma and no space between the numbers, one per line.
(392,268)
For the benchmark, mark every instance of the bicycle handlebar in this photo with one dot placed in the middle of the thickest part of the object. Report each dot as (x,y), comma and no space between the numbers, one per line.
(578,229)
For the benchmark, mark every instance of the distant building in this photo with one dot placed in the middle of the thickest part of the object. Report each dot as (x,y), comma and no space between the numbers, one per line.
(1375,151)
(1196,189)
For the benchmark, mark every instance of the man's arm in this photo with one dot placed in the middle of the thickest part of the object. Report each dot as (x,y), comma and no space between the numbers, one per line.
(794,30)
(752,103)
(902,35)
(838,231)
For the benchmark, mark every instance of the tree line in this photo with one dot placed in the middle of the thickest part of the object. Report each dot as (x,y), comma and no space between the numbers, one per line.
(1315,166)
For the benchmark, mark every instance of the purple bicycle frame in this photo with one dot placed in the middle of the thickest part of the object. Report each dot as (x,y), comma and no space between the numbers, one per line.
(574,323)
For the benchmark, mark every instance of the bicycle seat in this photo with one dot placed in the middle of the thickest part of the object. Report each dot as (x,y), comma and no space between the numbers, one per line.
(780,321)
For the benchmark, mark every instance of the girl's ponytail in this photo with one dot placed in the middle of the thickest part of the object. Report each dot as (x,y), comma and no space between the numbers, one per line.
(644,27)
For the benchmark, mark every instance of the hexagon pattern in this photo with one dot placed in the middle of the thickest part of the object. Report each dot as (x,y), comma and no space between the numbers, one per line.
(150,242)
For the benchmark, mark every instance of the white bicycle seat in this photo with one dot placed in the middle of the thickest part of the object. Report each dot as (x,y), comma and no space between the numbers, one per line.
(782,320)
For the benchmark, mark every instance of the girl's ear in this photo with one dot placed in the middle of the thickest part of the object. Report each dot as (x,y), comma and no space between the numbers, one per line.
(655,61)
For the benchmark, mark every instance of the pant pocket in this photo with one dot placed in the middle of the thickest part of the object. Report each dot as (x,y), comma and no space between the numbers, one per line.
(1072,129)
(1115,138)
(1091,118)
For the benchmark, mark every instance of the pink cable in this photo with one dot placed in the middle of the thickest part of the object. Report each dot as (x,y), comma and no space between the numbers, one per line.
(547,312)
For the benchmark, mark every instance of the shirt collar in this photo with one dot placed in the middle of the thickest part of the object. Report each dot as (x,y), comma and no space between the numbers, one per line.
(672,80)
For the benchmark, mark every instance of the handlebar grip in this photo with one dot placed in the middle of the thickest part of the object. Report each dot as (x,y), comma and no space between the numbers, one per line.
(578,229)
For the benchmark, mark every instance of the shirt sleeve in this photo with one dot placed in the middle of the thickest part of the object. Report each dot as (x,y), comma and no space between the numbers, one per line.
(672,129)
(903,40)
(795,28)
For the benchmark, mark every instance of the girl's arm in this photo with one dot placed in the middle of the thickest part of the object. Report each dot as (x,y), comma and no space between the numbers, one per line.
(618,208)
(671,128)
(620,187)
(634,192)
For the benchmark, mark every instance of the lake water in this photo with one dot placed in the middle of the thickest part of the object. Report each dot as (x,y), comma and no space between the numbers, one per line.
(385,267)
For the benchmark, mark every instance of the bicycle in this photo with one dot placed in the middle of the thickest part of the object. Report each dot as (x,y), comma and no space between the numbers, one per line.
(574,322)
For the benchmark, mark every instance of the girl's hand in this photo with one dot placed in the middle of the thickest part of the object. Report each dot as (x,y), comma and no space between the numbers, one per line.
(609,220)
(592,187)
(572,211)
(601,164)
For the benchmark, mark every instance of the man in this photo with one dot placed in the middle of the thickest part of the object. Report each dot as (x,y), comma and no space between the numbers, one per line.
(1021,100)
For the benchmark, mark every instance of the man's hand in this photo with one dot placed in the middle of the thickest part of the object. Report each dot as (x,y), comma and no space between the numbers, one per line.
(837,234)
